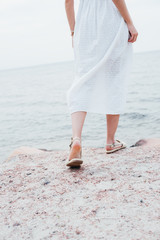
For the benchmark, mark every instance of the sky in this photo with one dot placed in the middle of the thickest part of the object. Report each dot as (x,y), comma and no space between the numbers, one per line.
(34,32)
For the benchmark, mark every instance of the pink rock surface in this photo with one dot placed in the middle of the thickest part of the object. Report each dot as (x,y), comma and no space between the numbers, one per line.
(23,150)
(112,196)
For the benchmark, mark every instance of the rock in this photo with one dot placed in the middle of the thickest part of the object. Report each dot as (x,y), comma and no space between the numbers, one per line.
(46,182)
(140,143)
(16,224)
(23,150)
(114,195)
(145,142)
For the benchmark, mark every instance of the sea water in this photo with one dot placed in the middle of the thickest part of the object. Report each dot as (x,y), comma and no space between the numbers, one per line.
(34,112)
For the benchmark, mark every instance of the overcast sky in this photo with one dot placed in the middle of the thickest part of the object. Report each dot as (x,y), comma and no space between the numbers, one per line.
(36,32)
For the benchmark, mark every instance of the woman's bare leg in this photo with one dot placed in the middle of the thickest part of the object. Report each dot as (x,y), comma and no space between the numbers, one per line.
(112,124)
(78,119)
(77,123)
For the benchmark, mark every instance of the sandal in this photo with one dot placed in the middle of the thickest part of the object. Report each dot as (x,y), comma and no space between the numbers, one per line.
(74,162)
(117,145)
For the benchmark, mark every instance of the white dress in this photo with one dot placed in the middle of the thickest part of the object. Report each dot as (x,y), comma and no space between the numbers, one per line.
(103,57)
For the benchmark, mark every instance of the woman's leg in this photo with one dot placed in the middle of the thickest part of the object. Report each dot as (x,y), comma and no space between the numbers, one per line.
(112,124)
(77,127)
(77,123)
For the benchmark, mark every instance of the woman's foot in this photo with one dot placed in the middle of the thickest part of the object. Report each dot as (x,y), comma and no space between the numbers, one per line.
(115,146)
(75,148)
(75,154)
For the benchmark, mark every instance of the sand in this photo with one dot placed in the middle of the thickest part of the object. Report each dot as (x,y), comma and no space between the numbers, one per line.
(111,196)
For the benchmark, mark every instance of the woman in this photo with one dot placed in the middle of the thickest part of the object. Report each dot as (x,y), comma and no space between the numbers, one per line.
(102,37)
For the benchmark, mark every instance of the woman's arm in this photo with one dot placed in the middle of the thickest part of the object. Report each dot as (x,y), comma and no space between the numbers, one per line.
(121,5)
(69,7)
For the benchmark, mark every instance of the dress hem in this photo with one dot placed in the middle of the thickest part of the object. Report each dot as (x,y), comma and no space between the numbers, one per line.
(98,112)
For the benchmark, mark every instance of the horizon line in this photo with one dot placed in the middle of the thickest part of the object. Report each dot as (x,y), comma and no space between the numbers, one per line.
(59,62)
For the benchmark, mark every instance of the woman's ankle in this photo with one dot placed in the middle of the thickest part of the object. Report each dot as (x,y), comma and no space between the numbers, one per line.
(76,141)
(110,140)
(76,136)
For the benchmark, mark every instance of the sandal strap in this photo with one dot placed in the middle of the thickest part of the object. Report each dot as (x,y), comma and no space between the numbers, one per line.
(114,144)
(75,138)
(72,140)
(111,145)
(119,142)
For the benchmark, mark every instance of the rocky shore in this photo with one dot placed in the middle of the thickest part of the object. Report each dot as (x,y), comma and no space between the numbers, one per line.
(111,196)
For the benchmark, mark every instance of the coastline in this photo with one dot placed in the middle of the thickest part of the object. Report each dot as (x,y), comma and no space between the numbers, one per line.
(37,120)
(112,196)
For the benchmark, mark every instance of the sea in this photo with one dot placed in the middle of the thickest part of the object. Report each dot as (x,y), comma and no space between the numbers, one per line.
(34,112)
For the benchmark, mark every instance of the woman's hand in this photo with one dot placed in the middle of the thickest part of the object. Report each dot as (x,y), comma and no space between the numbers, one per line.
(133,33)
(121,5)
